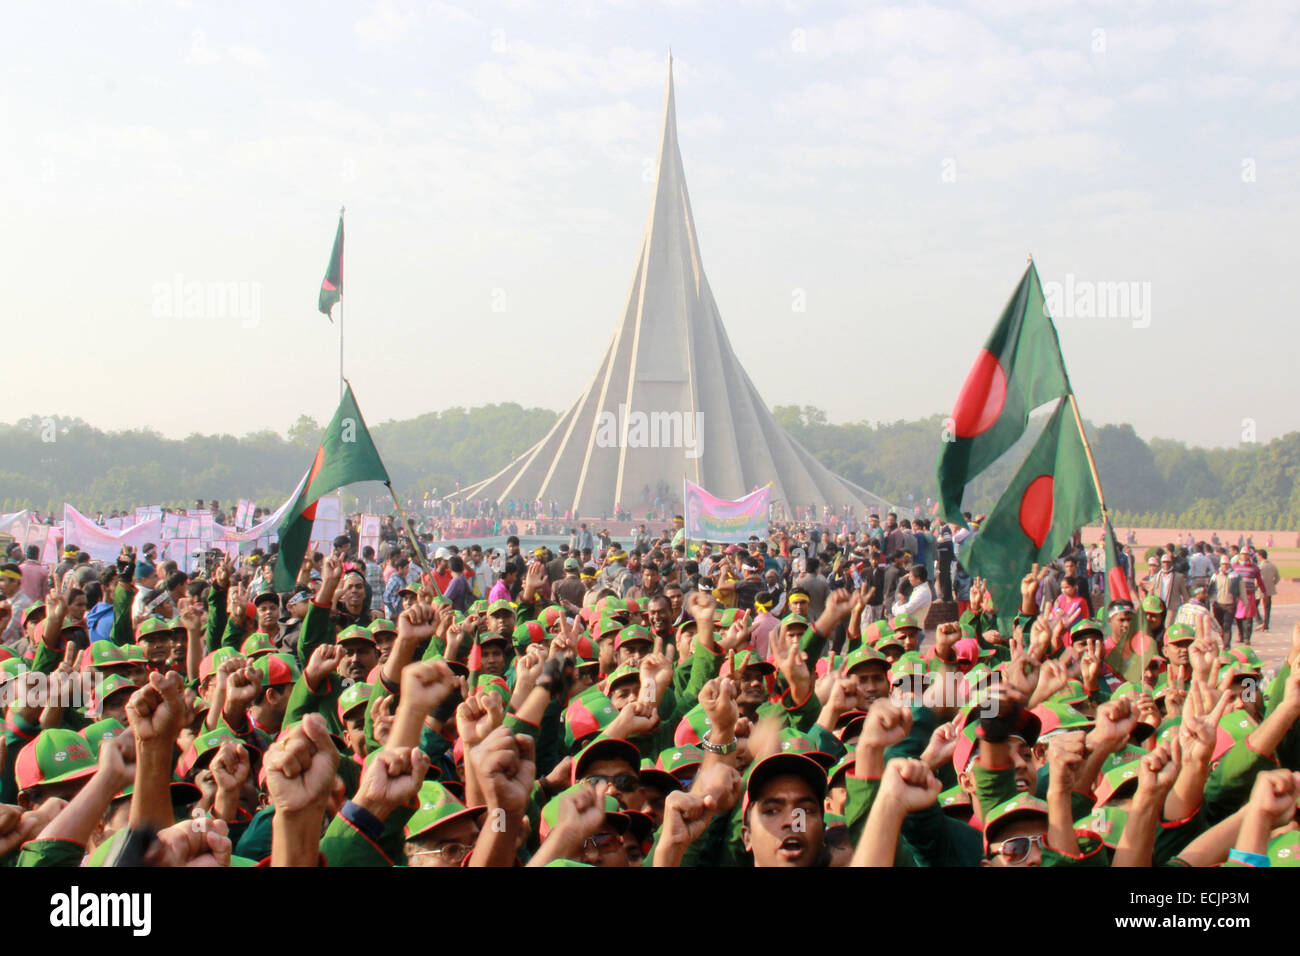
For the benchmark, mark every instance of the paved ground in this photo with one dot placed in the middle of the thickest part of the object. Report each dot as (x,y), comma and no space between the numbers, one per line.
(1274,643)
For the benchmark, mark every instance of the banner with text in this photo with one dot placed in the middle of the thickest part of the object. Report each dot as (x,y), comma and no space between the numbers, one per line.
(709,518)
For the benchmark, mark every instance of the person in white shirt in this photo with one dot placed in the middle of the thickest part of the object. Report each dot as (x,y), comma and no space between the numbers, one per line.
(920,597)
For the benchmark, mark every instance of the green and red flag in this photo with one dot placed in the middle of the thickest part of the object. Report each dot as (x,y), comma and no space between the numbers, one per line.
(331,287)
(347,454)
(1019,369)
(1051,497)
(1129,657)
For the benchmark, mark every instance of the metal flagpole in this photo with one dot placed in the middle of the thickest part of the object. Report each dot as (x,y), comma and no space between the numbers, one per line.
(341,252)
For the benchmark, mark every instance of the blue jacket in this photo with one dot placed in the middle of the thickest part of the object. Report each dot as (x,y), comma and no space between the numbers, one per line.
(99,621)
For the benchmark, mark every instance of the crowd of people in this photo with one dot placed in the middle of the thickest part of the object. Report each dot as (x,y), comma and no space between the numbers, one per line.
(826,696)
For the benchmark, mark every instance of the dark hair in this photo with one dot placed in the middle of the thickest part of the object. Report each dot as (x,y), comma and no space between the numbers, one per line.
(107,576)
(456,564)
(33,553)
(512,540)
(94,593)
(176,579)
(919,571)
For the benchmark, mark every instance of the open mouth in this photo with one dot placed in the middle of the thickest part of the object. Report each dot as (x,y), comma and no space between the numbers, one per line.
(792,848)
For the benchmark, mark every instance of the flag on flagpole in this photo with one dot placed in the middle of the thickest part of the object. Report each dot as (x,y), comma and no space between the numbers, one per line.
(1019,369)
(1129,657)
(1051,497)
(331,287)
(346,454)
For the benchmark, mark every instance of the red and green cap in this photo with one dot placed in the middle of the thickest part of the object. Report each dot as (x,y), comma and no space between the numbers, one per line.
(500,606)
(381,626)
(967,741)
(653,776)
(910,664)
(900,621)
(839,769)
(153,625)
(10,668)
(692,727)
(1056,716)
(877,631)
(587,715)
(865,655)
(1124,777)
(614,605)
(203,749)
(675,761)
(211,662)
(1126,689)
(1153,605)
(353,696)
(530,632)
(133,654)
(955,800)
(725,617)
(55,756)
(631,635)
(1168,728)
(1084,626)
(1021,805)
(793,742)
(438,806)
(102,654)
(551,812)
(1234,728)
(34,613)
(744,660)
(100,731)
(794,620)
(1237,670)
(550,615)
(605,748)
(276,669)
(477,607)
(490,683)
(257,644)
(1244,654)
(887,640)
(608,625)
(850,725)
(112,684)
(781,765)
(1179,633)
(491,637)
(1072,693)
(1105,821)
(356,632)
(620,674)
(585,650)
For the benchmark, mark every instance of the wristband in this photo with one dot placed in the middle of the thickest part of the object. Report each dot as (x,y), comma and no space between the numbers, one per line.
(1248,858)
(363,820)
(447,708)
(709,747)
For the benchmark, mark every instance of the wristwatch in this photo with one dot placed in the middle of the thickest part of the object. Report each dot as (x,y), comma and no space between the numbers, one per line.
(708,747)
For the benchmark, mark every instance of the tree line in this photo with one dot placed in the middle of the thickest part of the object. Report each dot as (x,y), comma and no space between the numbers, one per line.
(1160,483)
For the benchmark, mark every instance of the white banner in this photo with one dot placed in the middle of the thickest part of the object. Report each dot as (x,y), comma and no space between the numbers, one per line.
(101,543)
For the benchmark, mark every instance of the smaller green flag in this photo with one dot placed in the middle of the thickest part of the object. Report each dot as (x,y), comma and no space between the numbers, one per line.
(1051,497)
(331,287)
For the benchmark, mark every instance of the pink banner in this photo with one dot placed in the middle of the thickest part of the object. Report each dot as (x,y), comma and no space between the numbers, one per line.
(709,518)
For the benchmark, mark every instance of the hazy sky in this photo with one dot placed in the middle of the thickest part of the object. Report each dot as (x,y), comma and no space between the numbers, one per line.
(890,165)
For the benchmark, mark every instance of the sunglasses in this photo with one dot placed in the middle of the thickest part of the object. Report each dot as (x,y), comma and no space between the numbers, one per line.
(450,853)
(622,782)
(604,840)
(1017,849)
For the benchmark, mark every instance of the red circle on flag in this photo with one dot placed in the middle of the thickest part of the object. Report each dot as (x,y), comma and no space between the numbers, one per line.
(982,397)
(1036,509)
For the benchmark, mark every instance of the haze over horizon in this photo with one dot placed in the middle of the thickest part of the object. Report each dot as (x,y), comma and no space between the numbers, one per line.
(885,171)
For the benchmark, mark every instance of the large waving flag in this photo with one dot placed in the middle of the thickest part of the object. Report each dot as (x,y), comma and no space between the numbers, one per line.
(1051,497)
(1019,369)
(347,454)
(331,287)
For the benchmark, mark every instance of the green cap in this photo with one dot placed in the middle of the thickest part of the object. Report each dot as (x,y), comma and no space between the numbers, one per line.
(496,685)
(203,749)
(1105,821)
(353,696)
(1073,693)
(1085,625)
(100,731)
(900,621)
(276,669)
(529,632)
(1126,688)
(438,805)
(1115,779)
(113,684)
(954,798)
(864,655)
(1285,850)
(675,759)
(888,640)
(630,634)
(153,625)
(11,667)
(793,742)
(1153,605)
(620,674)
(608,625)
(550,813)
(499,606)
(103,654)
(795,620)
(1179,633)
(382,625)
(257,644)
(356,632)
(744,660)
(875,631)
(910,664)
(1022,804)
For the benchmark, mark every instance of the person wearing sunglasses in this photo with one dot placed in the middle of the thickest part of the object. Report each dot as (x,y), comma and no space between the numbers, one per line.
(616,763)
(1015,832)
(442,832)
